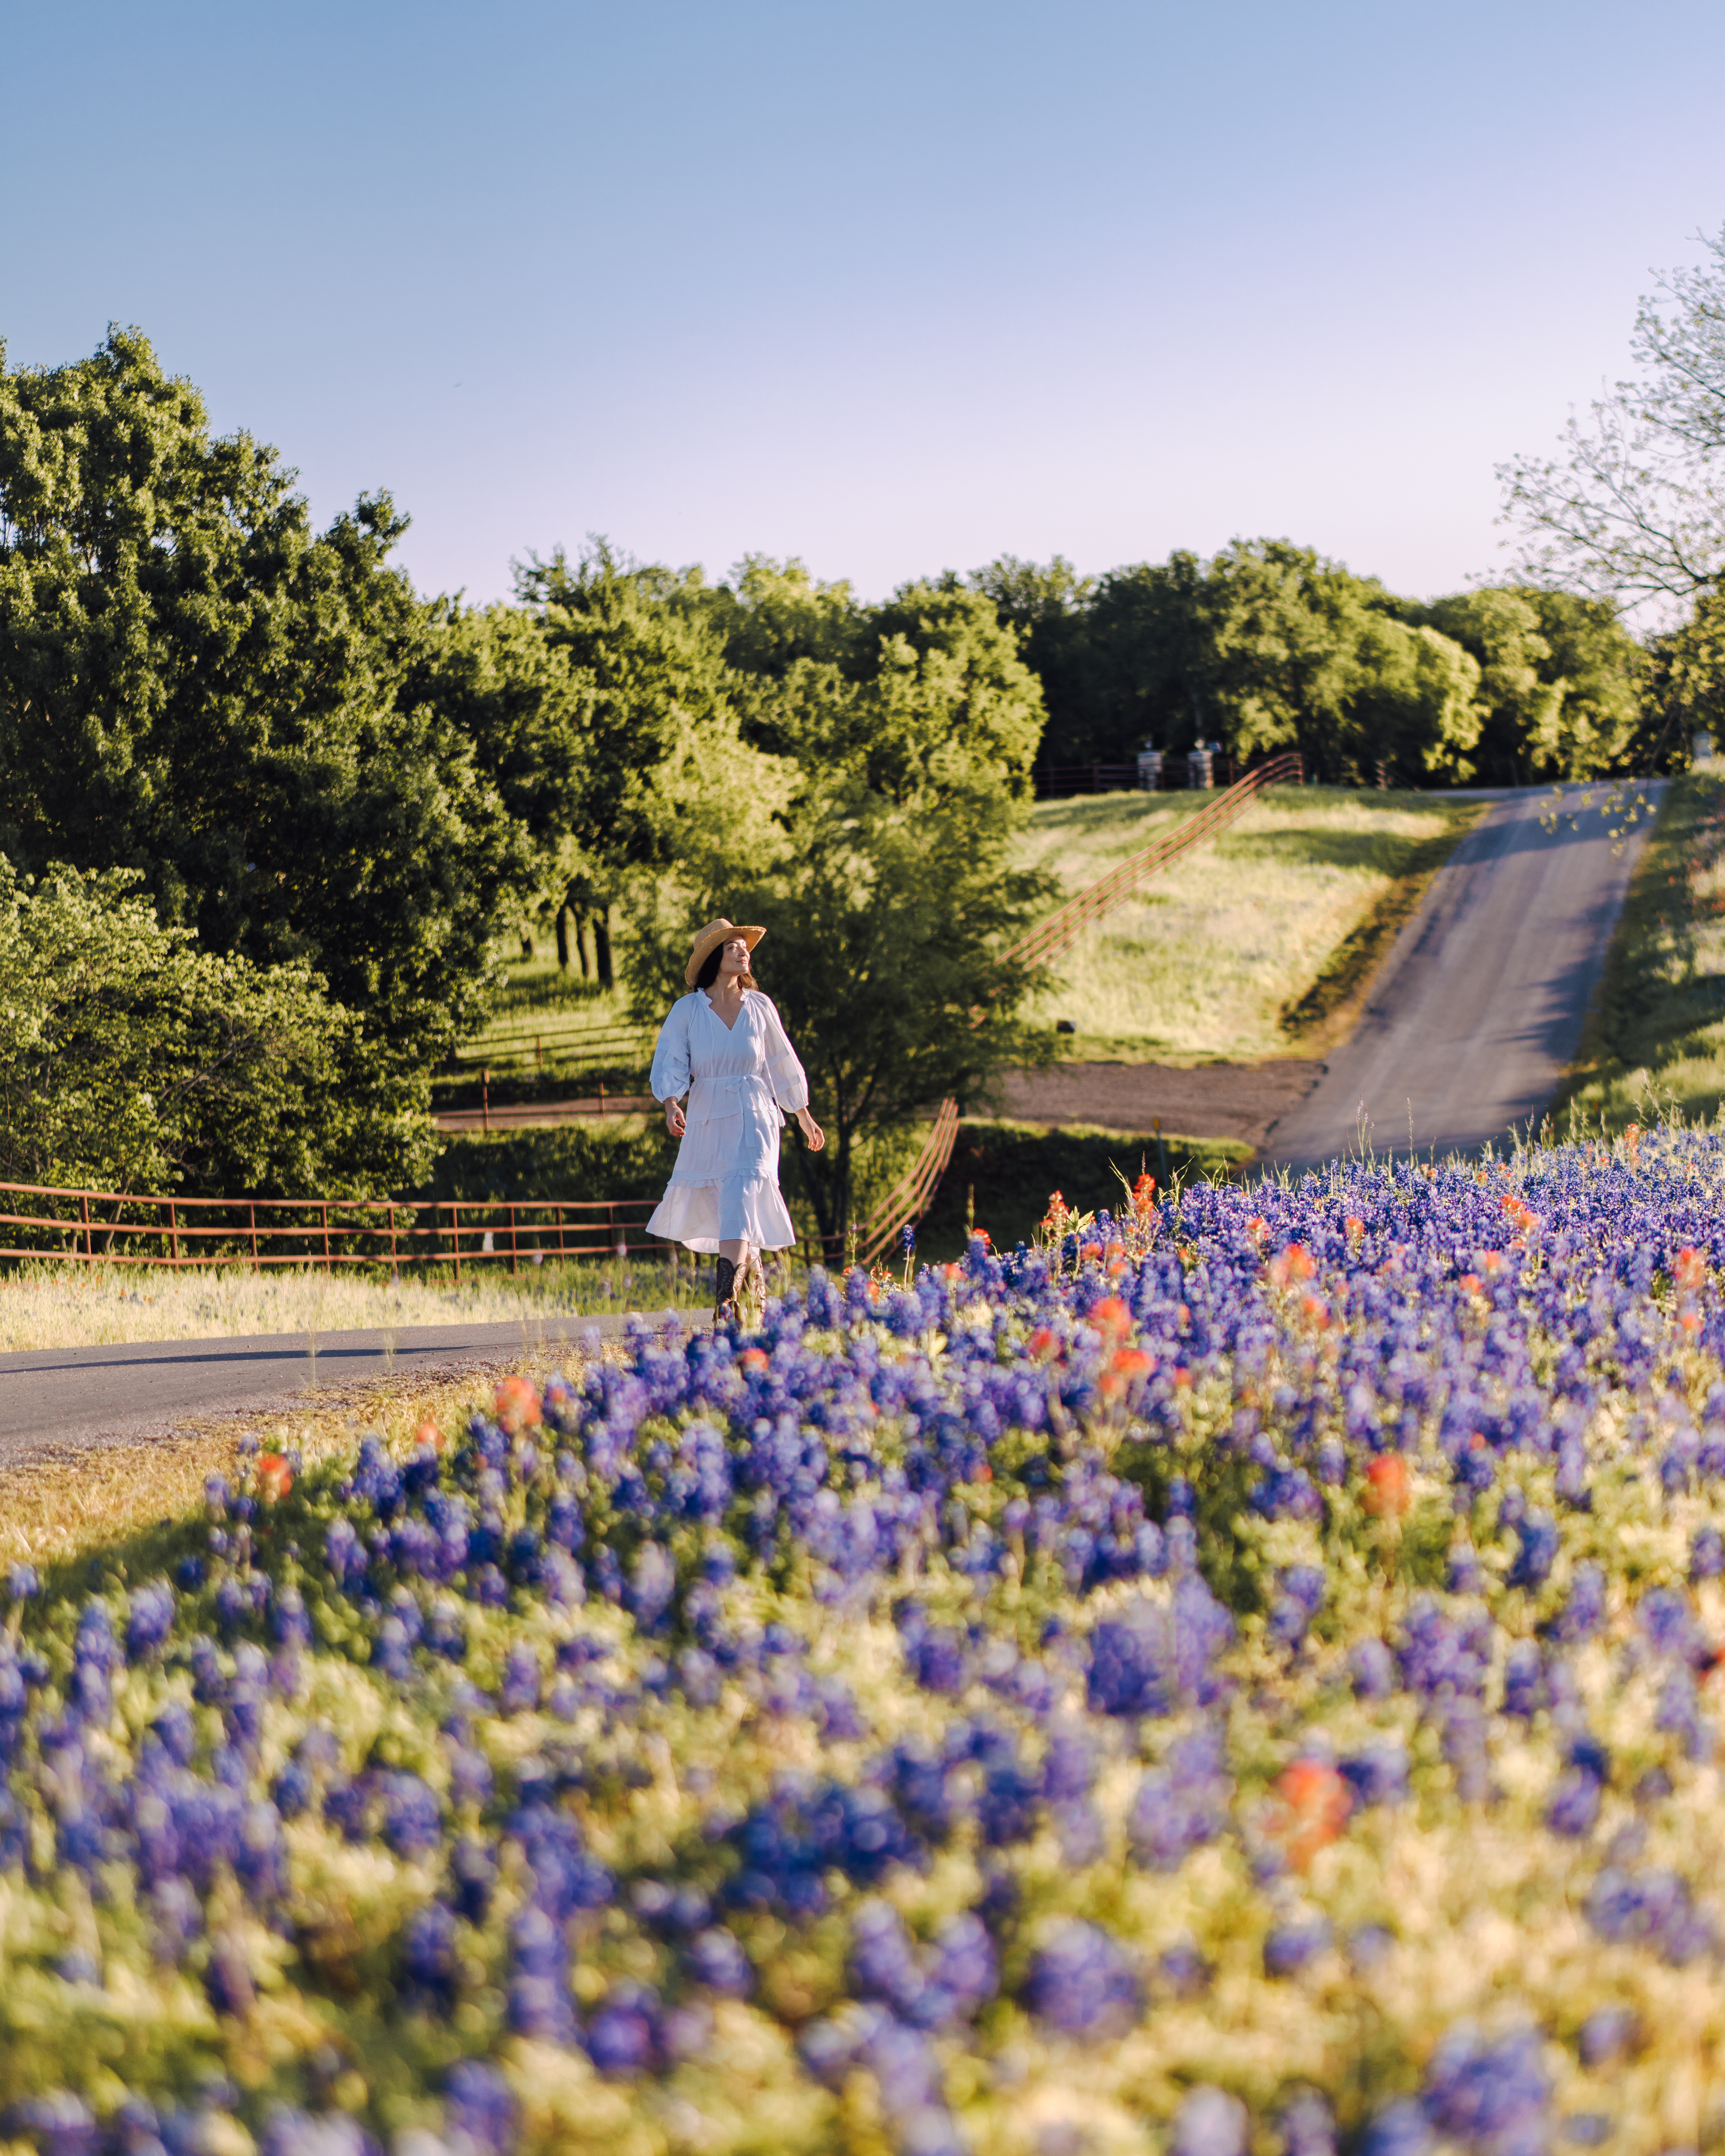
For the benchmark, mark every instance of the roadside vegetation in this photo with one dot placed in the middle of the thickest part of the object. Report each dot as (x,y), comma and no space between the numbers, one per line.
(1656,1038)
(1242,949)
(54,1305)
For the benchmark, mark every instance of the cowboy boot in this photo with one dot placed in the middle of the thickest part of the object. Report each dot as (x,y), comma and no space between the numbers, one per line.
(725,1293)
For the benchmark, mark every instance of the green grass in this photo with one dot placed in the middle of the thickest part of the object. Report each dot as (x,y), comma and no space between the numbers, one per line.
(1246,948)
(1656,1038)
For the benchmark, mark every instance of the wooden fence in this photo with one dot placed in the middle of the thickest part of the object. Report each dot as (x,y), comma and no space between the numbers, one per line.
(523,1044)
(97,1227)
(1062,929)
(909,1198)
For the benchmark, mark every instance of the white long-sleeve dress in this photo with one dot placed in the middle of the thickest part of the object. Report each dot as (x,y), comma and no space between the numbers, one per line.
(738,1079)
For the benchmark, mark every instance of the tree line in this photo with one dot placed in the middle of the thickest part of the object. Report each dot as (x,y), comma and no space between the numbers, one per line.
(324,796)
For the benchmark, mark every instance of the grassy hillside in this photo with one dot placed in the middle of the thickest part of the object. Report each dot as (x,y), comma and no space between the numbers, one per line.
(1250,945)
(1655,1040)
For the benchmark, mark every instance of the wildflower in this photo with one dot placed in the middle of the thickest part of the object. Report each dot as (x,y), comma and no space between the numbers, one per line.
(1387,1493)
(1082,1983)
(275,1478)
(518,1405)
(1313,1802)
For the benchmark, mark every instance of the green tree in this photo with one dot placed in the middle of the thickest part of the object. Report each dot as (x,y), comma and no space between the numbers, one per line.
(1055,611)
(1560,680)
(195,685)
(1289,650)
(1685,688)
(129,1059)
(649,705)
(926,691)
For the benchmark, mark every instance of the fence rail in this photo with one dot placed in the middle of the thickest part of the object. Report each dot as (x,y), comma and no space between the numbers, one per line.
(908,1199)
(568,1047)
(1063,928)
(93,1227)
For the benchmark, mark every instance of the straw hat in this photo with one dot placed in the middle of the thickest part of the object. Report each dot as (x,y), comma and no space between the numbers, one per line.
(708,941)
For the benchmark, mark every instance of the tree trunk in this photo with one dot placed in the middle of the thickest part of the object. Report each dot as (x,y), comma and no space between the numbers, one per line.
(526,947)
(564,937)
(580,943)
(601,944)
(829,1218)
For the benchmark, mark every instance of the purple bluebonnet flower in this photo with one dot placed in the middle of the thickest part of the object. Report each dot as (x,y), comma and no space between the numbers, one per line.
(149,1620)
(715,1959)
(1607,2033)
(479,2105)
(1296,1941)
(1402,2128)
(1378,1775)
(1308,2125)
(1481,2092)
(622,2036)
(1082,1983)
(1182,1805)
(1584,1611)
(1372,1669)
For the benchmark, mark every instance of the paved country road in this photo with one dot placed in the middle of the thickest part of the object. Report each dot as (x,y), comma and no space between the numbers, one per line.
(1479,1005)
(55,1399)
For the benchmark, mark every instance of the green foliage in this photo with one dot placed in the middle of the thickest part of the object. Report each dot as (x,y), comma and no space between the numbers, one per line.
(618,1160)
(1560,681)
(1686,685)
(1002,1173)
(131,1060)
(196,686)
(1656,1040)
(1268,646)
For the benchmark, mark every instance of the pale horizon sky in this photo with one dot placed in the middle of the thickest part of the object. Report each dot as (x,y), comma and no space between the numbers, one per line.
(895,289)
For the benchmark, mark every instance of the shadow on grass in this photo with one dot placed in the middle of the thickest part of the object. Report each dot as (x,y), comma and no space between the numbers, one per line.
(1006,1170)
(1656,1038)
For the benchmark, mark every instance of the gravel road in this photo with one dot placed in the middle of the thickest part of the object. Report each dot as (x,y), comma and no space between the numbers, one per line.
(1479,1005)
(57,1398)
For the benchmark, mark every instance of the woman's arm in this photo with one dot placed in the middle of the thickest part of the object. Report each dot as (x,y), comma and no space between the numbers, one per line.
(670,1074)
(789,1080)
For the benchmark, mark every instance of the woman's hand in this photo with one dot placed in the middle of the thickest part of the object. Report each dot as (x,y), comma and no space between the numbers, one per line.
(811,1130)
(674,1122)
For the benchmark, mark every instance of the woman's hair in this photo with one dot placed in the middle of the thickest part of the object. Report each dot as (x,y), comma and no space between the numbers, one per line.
(710,970)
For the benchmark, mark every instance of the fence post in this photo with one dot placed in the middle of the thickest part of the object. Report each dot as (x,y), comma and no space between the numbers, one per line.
(513,1235)
(251,1223)
(455,1231)
(173,1230)
(83,1211)
(324,1207)
(394,1263)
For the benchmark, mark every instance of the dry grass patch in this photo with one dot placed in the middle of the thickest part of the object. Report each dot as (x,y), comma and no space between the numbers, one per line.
(60,1306)
(1225,954)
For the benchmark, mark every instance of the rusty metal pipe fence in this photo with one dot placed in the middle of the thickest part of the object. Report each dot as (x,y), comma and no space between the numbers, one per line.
(98,1227)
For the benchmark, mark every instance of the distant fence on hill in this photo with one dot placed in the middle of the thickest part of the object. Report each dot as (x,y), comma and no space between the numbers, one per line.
(1062,929)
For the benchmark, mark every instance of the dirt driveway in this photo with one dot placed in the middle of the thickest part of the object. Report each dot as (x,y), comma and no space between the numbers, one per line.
(1209,1100)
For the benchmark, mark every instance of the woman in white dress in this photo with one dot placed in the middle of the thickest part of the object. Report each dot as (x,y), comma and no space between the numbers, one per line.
(723,1046)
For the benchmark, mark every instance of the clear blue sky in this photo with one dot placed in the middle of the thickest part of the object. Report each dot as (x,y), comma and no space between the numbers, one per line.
(894,288)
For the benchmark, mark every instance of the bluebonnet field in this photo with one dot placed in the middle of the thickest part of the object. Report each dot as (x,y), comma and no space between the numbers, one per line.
(1240,1676)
